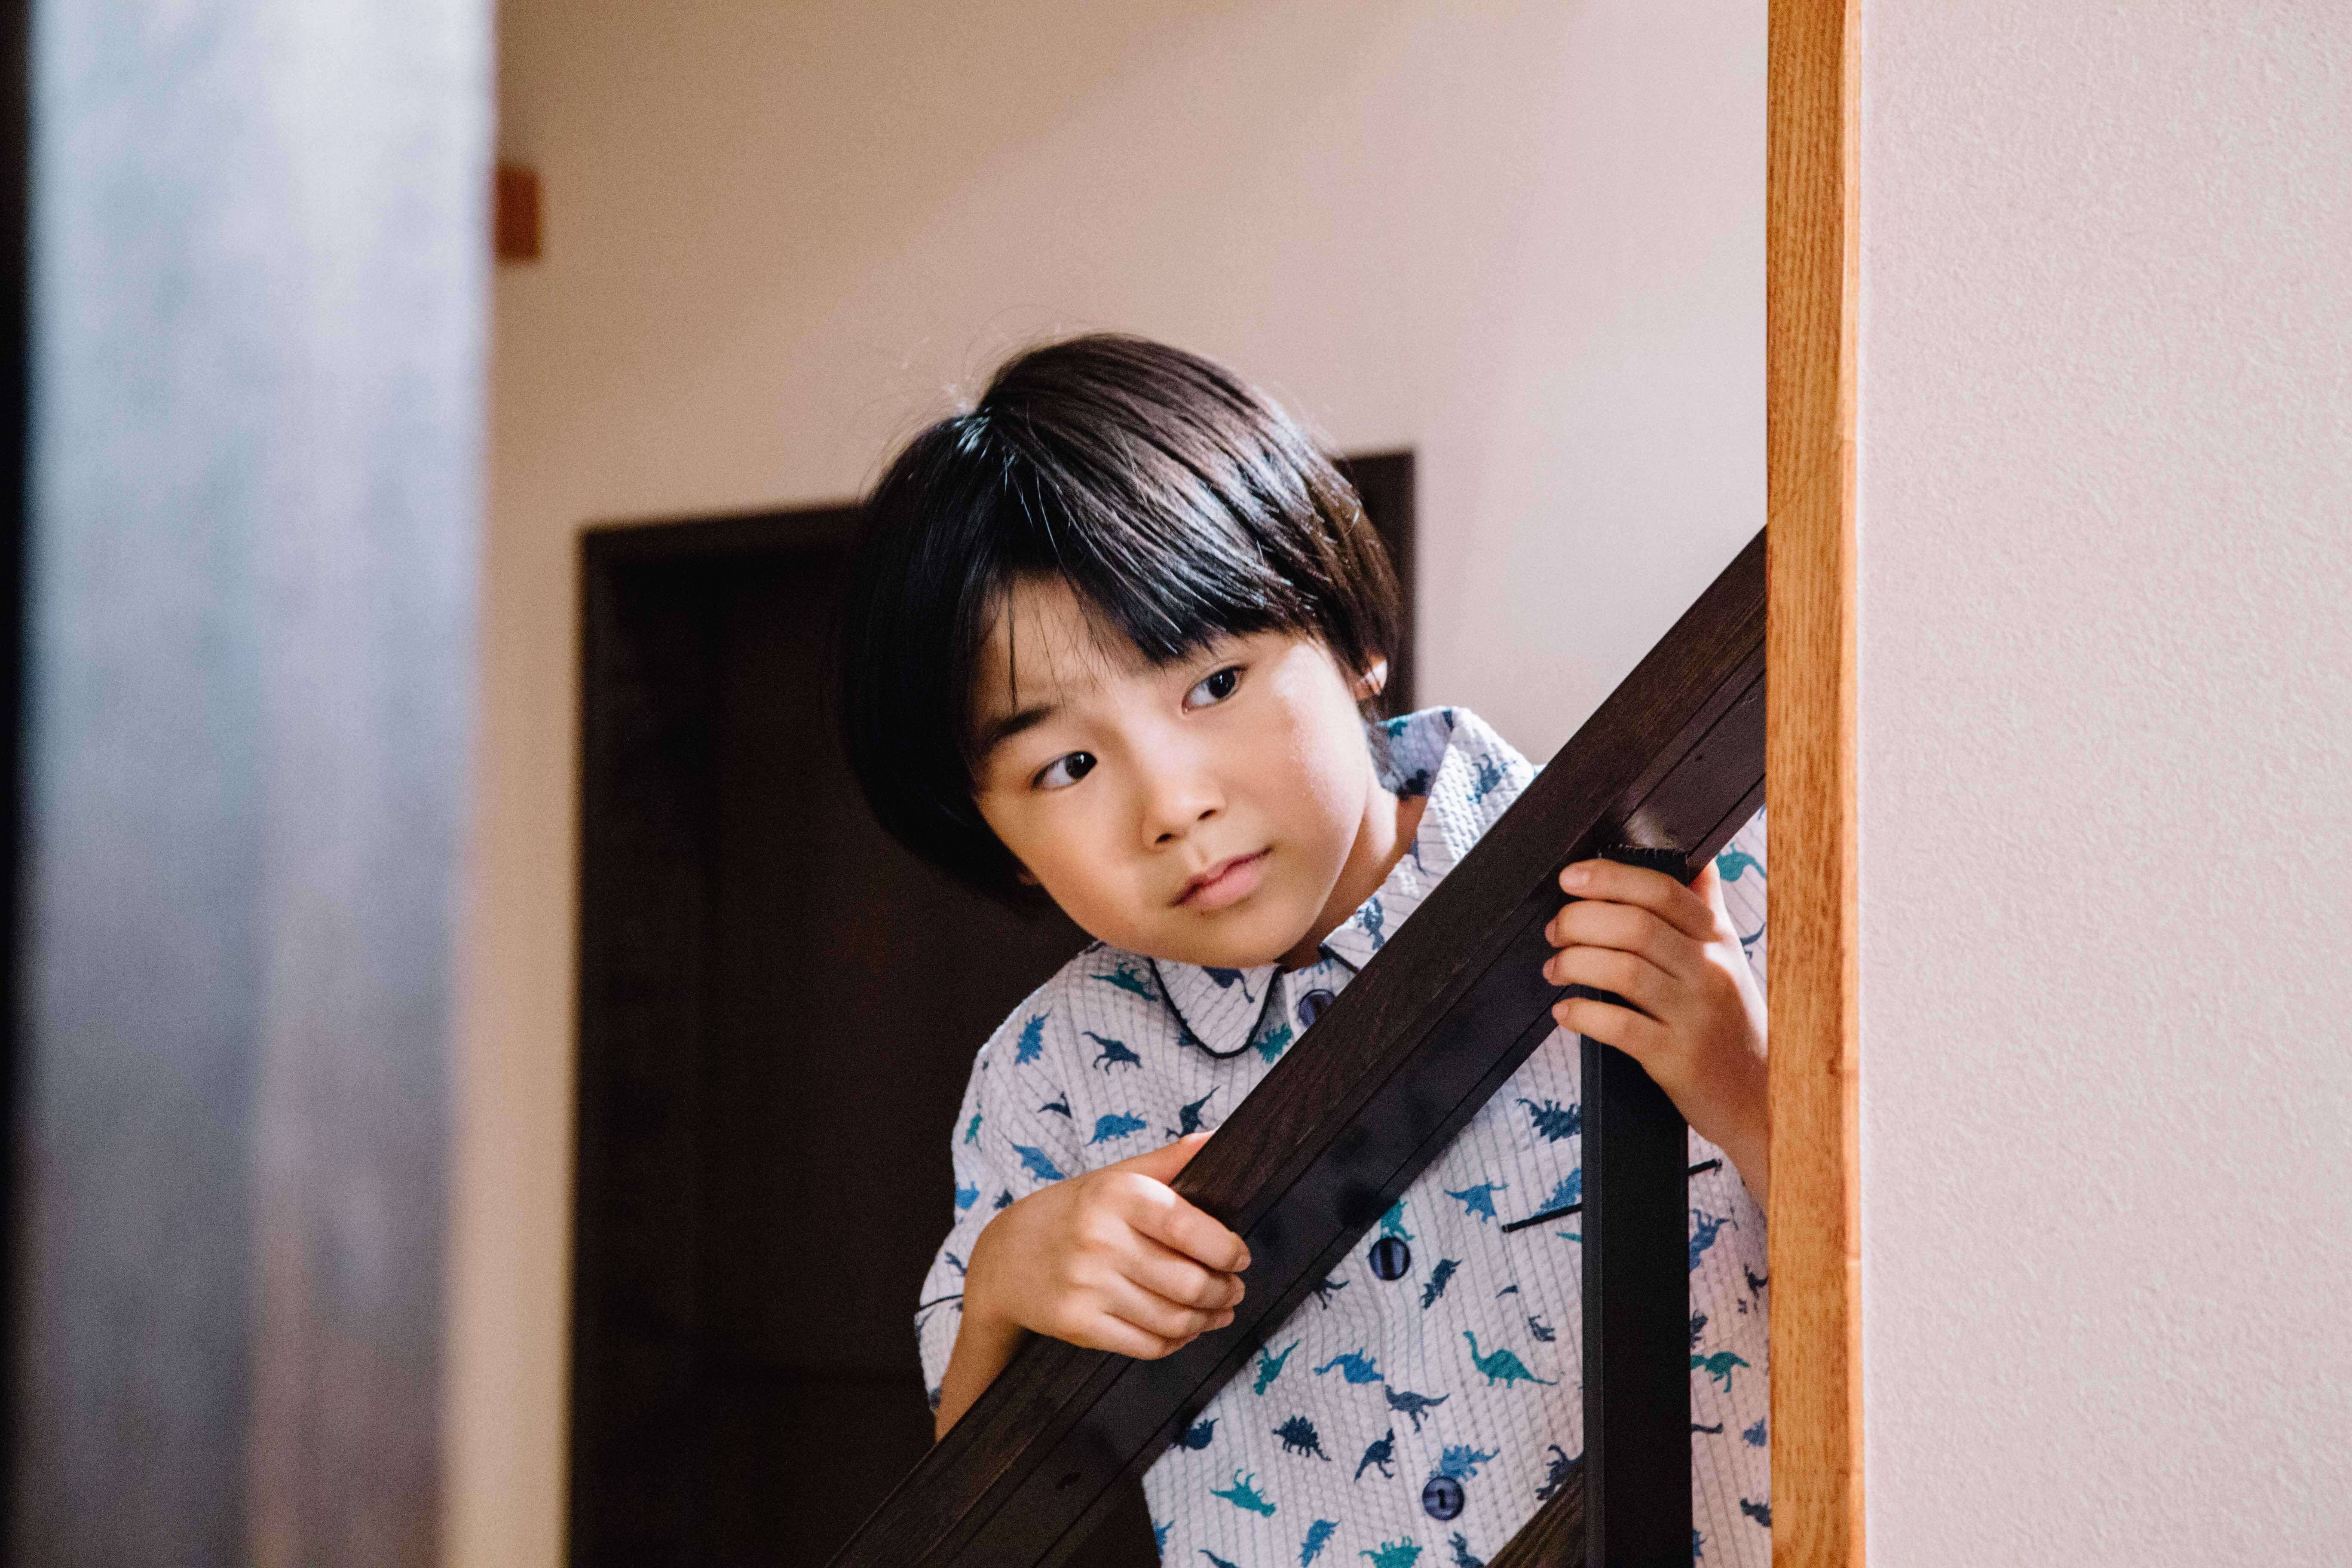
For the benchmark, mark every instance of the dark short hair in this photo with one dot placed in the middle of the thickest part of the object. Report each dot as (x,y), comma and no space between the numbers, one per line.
(1177,503)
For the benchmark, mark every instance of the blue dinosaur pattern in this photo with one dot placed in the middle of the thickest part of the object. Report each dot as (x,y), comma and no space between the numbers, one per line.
(1269,1367)
(1461,1461)
(1274,1041)
(1404,1401)
(1217,1562)
(1319,1535)
(1134,980)
(1462,1557)
(1393,1222)
(1569,1189)
(1394,1554)
(1188,1117)
(1734,864)
(1754,1435)
(1500,1366)
(1761,1513)
(1480,1200)
(1197,1436)
(1114,1053)
(1060,1107)
(1704,1227)
(1243,1493)
(1380,1456)
(1031,1043)
(1557,1476)
(1490,775)
(1037,1164)
(1438,1277)
(966,1196)
(1554,1120)
(1354,1365)
(972,1133)
(1227,979)
(1118,1125)
(1298,1437)
(1718,1366)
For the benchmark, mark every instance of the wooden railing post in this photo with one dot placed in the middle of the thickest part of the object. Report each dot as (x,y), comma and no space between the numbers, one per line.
(1636,1230)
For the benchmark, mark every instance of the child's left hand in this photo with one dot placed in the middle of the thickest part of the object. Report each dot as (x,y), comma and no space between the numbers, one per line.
(1696,1020)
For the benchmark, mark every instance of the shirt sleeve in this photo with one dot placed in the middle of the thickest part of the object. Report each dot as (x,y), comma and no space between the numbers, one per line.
(1008,1141)
(1741,866)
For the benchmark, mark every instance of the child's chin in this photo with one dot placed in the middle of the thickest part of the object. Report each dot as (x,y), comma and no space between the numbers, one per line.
(1240,938)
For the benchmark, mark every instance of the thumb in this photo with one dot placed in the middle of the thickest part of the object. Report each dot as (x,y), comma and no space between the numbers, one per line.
(1162,1164)
(1708,885)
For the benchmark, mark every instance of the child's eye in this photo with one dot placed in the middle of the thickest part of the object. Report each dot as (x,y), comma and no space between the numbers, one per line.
(1064,770)
(1215,689)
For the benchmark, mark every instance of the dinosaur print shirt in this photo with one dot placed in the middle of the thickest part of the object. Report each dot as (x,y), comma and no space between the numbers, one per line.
(1422,1402)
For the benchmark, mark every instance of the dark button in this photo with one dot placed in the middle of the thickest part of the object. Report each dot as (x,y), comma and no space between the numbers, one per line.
(1442,1497)
(1311,1005)
(1391,1258)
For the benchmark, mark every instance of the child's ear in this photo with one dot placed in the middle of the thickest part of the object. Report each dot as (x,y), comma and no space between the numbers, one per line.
(1370,683)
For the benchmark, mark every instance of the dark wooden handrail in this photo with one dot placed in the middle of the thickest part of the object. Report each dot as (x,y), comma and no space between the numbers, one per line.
(1360,1105)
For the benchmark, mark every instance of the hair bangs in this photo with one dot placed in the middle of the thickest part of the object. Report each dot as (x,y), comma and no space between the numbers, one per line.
(1177,505)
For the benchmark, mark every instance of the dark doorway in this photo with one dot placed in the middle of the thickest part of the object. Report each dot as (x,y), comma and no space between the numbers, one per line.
(778,1009)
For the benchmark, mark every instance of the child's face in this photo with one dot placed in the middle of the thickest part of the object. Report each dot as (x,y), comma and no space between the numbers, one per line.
(1120,785)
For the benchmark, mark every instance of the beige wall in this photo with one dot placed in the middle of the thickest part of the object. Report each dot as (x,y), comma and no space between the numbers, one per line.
(2107,542)
(1525,240)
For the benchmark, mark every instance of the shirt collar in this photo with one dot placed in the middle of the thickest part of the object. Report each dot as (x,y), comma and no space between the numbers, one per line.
(1437,752)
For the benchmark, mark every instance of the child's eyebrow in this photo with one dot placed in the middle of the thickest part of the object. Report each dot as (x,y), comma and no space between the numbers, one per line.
(998,730)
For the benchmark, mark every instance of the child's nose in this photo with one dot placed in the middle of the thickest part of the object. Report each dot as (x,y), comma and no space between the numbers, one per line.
(1181,804)
(1170,834)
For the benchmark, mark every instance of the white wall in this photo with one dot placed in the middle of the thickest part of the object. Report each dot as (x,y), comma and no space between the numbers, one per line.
(2107,719)
(1526,240)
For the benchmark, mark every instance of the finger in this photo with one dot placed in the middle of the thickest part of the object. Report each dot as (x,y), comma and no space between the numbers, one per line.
(1160,1215)
(1162,1164)
(1589,922)
(1653,891)
(1708,885)
(1158,1315)
(1116,1334)
(1630,976)
(1164,1271)
(1637,1035)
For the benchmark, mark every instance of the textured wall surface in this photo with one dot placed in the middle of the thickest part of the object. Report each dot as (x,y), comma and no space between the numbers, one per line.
(1525,239)
(2106,671)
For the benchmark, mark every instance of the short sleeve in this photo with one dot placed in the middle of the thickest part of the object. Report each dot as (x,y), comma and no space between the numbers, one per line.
(1009,1140)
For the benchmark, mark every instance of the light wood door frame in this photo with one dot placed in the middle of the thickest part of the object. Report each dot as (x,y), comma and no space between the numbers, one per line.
(1812,276)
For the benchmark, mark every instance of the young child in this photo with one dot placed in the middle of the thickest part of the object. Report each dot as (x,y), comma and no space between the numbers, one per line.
(1112,639)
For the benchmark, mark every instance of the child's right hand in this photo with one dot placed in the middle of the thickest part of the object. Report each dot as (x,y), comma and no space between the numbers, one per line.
(1112,1259)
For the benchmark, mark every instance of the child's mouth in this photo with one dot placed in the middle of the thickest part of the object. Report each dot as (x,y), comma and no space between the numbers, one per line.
(1227,882)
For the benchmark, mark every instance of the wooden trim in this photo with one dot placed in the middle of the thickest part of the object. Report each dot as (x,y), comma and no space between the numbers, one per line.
(1811,268)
